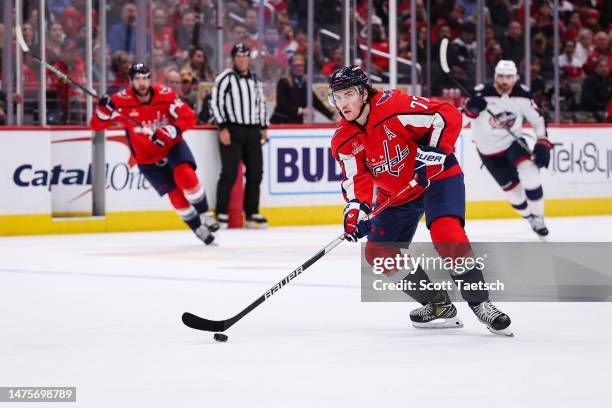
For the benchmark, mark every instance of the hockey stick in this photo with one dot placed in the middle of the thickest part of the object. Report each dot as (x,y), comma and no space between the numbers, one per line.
(200,323)
(24,47)
(446,69)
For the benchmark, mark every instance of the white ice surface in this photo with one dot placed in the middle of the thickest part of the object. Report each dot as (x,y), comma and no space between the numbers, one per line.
(102,312)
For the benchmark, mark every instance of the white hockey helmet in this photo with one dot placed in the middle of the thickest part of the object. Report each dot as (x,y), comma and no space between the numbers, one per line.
(506,67)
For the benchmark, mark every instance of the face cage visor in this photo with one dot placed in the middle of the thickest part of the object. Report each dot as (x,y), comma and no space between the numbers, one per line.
(332,99)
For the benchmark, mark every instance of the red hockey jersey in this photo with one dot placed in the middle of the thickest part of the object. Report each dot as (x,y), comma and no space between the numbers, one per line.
(383,152)
(164,108)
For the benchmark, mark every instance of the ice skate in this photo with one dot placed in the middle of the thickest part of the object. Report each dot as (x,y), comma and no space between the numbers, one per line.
(209,220)
(204,234)
(537,225)
(496,321)
(440,313)
(256,221)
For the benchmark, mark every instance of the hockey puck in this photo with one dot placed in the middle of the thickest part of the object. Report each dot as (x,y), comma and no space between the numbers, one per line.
(220,337)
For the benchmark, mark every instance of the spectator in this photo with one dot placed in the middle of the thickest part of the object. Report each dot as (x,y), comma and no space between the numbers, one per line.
(122,35)
(537,86)
(462,51)
(291,96)
(73,17)
(239,34)
(56,7)
(596,89)
(28,35)
(250,23)
(584,45)
(158,64)
(288,42)
(540,49)
(500,15)
(601,49)
(336,61)
(174,82)
(570,63)
(185,33)
(275,57)
(196,69)
(55,42)
(182,88)
(512,43)
(573,28)
(163,37)
(120,65)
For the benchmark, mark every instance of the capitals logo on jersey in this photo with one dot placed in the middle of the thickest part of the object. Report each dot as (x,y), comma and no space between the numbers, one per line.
(390,164)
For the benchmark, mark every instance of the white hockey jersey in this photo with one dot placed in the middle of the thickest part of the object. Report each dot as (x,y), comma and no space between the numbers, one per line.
(508,111)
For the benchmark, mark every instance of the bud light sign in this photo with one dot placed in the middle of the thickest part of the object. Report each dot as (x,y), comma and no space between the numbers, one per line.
(302,164)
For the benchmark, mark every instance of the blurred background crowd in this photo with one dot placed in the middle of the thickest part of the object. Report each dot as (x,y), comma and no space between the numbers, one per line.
(182,48)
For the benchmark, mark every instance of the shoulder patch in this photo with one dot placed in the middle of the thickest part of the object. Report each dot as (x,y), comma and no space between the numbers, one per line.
(479,87)
(164,90)
(385,97)
(123,94)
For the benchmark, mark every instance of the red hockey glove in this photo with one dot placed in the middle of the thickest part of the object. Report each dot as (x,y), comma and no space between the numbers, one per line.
(541,152)
(356,221)
(165,135)
(429,163)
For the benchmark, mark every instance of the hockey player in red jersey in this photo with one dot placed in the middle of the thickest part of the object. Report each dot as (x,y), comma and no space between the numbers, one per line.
(157,145)
(387,139)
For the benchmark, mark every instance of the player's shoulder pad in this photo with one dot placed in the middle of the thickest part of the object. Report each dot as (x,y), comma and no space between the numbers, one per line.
(521,91)
(387,103)
(164,92)
(346,140)
(486,89)
(122,98)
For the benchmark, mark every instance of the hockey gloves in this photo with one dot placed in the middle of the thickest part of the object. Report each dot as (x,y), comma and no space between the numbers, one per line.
(105,108)
(429,163)
(541,152)
(474,106)
(165,135)
(356,221)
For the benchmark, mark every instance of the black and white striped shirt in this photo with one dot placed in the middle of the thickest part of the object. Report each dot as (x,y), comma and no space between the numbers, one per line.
(238,99)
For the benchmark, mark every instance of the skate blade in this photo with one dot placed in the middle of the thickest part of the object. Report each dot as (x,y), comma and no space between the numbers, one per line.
(504,332)
(543,238)
(450,323)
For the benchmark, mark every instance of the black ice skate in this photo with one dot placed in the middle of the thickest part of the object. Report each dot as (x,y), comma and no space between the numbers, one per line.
(440,313)
(209,220)
(204,234)
(256,221)
(496,321)
(537,225)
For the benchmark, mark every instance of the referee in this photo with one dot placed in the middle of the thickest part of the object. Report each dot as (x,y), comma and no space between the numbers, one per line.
(239,106)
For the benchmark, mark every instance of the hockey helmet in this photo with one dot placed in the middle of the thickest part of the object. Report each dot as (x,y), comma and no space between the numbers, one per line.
(139,68)
(347,77)
(506,67)
(241,48)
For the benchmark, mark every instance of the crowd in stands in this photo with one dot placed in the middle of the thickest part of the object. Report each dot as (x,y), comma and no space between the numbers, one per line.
(182,38)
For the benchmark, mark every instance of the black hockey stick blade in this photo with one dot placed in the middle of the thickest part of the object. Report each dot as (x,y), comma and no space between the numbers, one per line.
(200,323)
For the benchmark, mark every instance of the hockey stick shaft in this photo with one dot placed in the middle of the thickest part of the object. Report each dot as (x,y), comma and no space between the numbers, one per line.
(200,323)
(446,69)
(67,79)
